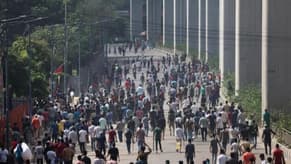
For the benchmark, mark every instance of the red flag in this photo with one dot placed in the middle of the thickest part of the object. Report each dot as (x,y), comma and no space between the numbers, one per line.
(59,70)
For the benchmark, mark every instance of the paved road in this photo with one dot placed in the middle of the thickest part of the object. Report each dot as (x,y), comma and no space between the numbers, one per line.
(169,144)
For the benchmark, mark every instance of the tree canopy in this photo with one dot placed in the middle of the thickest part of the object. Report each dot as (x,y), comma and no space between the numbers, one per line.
(47,36)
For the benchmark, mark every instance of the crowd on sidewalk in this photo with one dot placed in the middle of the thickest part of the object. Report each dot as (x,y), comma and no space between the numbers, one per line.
(125,108)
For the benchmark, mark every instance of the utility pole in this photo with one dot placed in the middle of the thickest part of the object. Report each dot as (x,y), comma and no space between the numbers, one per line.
(6,79)
(29,73)
(65,53)
(79,60)
(52,44)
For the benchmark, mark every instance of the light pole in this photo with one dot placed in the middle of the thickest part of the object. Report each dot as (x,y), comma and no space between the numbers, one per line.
(53,48)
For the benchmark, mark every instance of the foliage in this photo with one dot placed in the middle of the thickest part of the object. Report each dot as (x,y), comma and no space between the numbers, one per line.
(249,97)
(181,47)
(281,120)
(25,61)
(213,62)
(229,85)
(83,27)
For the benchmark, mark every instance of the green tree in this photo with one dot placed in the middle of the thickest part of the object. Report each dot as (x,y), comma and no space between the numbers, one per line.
(37,62)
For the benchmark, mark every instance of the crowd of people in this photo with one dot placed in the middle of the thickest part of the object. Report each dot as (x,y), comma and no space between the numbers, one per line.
(126,108)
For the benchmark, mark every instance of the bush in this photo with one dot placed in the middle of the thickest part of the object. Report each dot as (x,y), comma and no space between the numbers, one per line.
(228,86)
(250,99)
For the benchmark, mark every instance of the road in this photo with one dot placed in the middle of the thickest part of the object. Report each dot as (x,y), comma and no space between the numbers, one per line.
(169,143)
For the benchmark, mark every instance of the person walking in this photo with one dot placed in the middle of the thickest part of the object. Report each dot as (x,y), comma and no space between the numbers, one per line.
(82,139)
(140,137)
(99,158)
(92,136)
(179,133)
(142,157)
(39,153)
(145,122)
(222,157)
(203,122)
(157,138)
(214,148)
(267,138)
(120,129)
(68,155)
(234,149)
(3,155)
(36,125)
(278,155)
(85,158)
(113,152)
(233,159)
(128,140)
(224,138)
(190,152)
(253,132)
(111,136)
(249,157)
(101,143)
(266,118)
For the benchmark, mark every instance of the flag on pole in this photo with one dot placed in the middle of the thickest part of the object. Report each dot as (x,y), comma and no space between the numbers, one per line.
(59,70)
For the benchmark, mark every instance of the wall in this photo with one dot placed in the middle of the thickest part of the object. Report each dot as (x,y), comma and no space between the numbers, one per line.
(169,23)
(137,17)
(276,54)
(248,42)
(193,25)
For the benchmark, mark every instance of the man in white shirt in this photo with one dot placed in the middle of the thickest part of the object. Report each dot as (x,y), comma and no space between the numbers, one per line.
(224,116)
(82,139)
(234,134)
(203,122)
(51,156)
(73,136)
(235,149)
(97,131)
(219,124)
(38,152)
(92,136)
(220,107)
(3,155)
(179,133)
(185,103)
(66,133)
(222,158)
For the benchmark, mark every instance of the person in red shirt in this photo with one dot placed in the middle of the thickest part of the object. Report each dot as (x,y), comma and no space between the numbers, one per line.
(127,84)
(248,157)
(35,122)
(111,136)
(278,155)
(59,147)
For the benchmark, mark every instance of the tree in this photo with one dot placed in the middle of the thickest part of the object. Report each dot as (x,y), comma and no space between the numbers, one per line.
(82,27)
(19,60)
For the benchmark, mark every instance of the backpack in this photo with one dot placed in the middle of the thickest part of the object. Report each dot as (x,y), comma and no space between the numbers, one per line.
(18,152)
